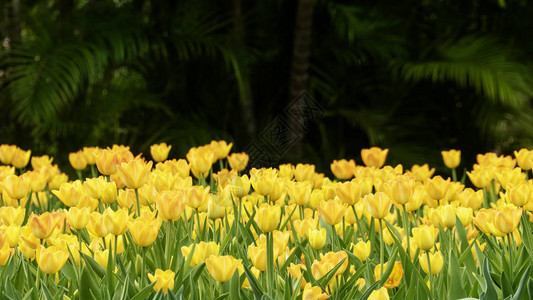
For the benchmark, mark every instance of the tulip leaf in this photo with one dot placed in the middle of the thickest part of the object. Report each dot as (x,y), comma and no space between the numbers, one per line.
(19,278)
(454,275)
(93,265)
(324,280)
(351,283)
(490,289)
(31,295)
(45,292)
(143,294)
(506,286)
(235,284)
(88,284)
(390,265)
(110,275)
(253,282)
(525,278)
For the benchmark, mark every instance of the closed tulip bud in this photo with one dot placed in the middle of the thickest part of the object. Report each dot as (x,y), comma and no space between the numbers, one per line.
(304,172)
(96,225)
(317,238)
(239,186)
(395,276)
(57,180)
(296,273)
(263,180)
(343,169)
(446,216)
(201,160)
(222,268)
(374,157)
(78,217)
(37,162)
(300,193)
(381,294)
(42,225)
(451,158)
(268,217)
(313,293)
(482,176)
(402,189)
(77,160)
(197,196)
(524,158)
(436,187)
(17,187)
(51,259)
(90,154)
(464,214)
(21,158)
(506,219)
(378,205)
(135,173)
(519,195)
(171,204)
(6,153)
(332,211)
(101,257)
(435,260)
(361,250)
(286,171)
(258,256)
(116,222)
(160,152)
(144,232)
(164,280)
(107,161)
(425,237)
(238,161)
(221,149)
(349,192)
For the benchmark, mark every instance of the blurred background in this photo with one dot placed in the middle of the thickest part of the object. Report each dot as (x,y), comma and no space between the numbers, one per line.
(416,77)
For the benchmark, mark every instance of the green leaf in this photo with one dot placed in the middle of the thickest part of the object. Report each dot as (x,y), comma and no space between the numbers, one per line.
(454,276)
(253,282)
(143,294)
(369,291)
(490,290)
(235,286)
(88,284)
(525,278)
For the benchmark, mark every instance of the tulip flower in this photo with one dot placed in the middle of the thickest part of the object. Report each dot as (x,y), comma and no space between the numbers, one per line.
(317,238)
(451,158)
(51,259)
(286,171)
(268,217)
(116,222)
(42,225)
(17,187)
(361,250)
(164,280)
(135,173)
(424,236)
(222,268)
(238,161)
(21,158)
(374,157)
(160,152)
(343,169)
(144,233)
(77,160)
(78,218)
(436,262)
(313,293)
(381,294)
(378,204)
(304,172)
(395,276)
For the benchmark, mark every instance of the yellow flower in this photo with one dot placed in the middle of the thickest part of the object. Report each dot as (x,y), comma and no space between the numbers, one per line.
(135,173)
(201,159)
(21,158)
(164,280)
(17,187)
(97,225)
(42,225)
(197,196)
(171,204)
(402,189)
(116,222)
(78,217)
(313,293)
(222,268)
(101,257)
(332,211)
(481,177)
(221,149)
(263,180)
(317,238)
(425,236)
(343,169)
(239,186)
(144,232)
(5,253)
(107,161)
(436,187)
(381,294)
(90,154)
(304,172)
(519,195)
(238,161)
(395,276)
(255,272)
(378,204)
(268,217)
(51,259)
(10,215)
(374,157)
(446,216)
(37,162)
(258,256)
(349,192)
(57,181)
(524,158)
(202,251)
(11,234)
(471,198)
(507,218)
(452,158)
(77,160)
(464,214)
(37,180)
(296,272)
(300,192)
(160,152)
(6,153)
(286,171)
(435,260)
(422,173)
(70,193)
(361,250)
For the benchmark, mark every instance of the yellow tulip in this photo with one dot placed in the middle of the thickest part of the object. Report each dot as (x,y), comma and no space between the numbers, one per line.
(101,257)
(361,250)
(268,217)
(464,214)
(286,171)
(524,158)
(17,187)
(70,193)
(313,293)
(116,222)
(349,192)
(21,158)
(144,232)
(201,159)
(202,251)
(90,154)
(171,204)
(343,169)
(239,186)
(422,173)
(332,211)
(107,161)
(296,272)
(135,173)
(37,162)
(263,180)
(451,158)
(300,193)
(381,294)
(164,280)
(197,196)
(304,172)
(7,152)
(222,268)
(317,238)
(5,253)
(42,225)
(506,219)
(374,157)
(402,189)
(482,176)
(435,260)
(238,161)
(51,259)
(378,204)
(77,160)
(436,187)
(78,218)
(519,195)
(395,276)
(471,198)
(425,236)
(258,256)
(57,180)
(160,152)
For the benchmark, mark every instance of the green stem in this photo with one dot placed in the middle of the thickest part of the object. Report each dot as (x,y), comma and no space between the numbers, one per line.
(138,203)
(143,270)
(94,174)
(454,175)
(510,247)
(381,247)
(407,230)
(358,233)
(80,176)
(167,242)
(430,276)
(333,238)
(270,262)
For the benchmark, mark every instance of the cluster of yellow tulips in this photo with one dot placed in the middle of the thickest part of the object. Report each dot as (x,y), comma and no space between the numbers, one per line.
(134,228)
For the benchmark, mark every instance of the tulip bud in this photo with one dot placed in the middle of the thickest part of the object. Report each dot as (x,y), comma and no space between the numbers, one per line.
(238,161)
(317,238)
(160,152)
(435,260)
(374,157)
(452,158)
